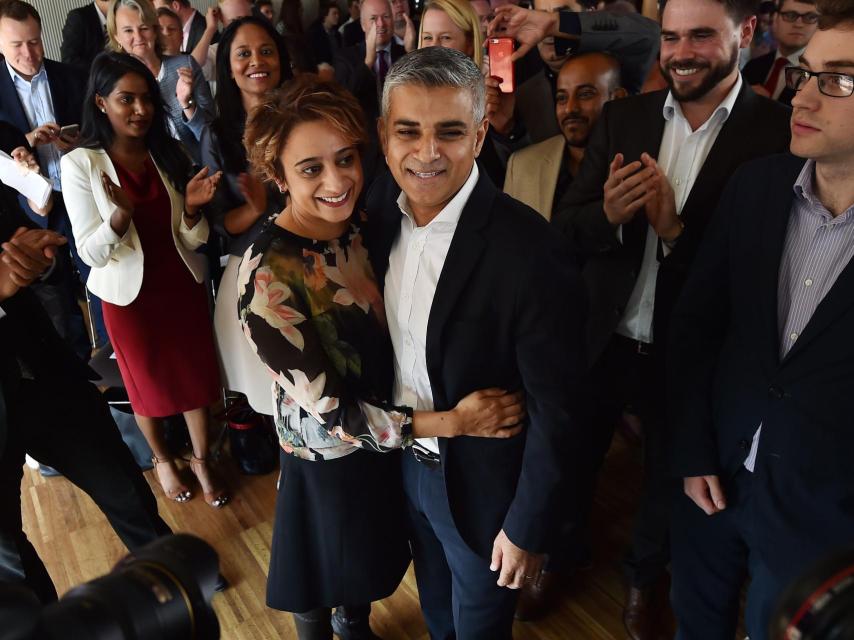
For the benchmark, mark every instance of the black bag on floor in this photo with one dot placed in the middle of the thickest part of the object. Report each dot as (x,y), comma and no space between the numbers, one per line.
(253,442)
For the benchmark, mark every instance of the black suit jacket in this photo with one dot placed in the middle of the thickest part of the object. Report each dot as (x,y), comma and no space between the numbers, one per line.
(352,73)
(67,89)
(508,312)
(756,72)
(757,126)
(197,30)
(318,41)
(82,37)
(353,34)
(726,377)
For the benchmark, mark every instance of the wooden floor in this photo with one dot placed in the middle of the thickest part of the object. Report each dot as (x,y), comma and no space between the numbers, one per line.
(77,544)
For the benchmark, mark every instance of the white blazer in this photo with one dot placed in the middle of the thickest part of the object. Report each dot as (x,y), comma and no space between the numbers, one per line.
(117,262)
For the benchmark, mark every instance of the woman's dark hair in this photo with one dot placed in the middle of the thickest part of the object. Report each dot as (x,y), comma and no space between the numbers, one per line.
(231,120)
(97,132)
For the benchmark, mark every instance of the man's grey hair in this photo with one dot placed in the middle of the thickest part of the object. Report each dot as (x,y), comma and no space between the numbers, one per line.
(437,67)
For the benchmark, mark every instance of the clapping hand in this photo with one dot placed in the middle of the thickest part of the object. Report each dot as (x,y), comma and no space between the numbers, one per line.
(410,36)
(184,88)
(200,189)
(26,256)
(253,191)
(627,189)
(117,195)
(371,46)
(661,206)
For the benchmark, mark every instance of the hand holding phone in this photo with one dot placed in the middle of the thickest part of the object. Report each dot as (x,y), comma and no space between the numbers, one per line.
(69,132)
(500,51)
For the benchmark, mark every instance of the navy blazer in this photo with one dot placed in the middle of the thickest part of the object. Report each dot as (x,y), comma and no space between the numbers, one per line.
(67,89)
(726,377)
(508,312)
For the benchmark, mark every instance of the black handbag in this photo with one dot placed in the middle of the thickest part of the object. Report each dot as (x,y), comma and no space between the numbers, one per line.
(254,446)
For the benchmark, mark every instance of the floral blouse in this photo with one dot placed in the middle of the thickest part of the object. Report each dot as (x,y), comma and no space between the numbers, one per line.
(313,313)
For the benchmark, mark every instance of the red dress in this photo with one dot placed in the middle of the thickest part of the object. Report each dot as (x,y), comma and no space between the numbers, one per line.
(163,340)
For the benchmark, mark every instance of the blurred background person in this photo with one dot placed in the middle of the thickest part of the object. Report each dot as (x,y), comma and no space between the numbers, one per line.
(264,9)
(251,61)
(192,22)
(351,30)
(794,23)
(131,189)
(169,31)
(84,34)
(323,36)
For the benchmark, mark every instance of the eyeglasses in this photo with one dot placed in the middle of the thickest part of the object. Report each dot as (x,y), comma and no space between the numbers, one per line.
(835,85)
(806,18)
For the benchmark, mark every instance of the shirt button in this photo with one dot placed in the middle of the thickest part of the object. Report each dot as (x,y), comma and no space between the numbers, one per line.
(793,336)
(808,282)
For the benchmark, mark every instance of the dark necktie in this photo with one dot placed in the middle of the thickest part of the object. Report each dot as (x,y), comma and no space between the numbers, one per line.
(382,66)
(773,79)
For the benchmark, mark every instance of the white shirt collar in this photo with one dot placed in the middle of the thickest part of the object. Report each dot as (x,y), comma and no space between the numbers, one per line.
(101,17)
(795,58)
(452,211)
(17,76)
(672,107)
(188,25)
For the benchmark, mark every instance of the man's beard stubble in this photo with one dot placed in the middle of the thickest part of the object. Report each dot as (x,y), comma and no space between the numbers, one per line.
(715,75)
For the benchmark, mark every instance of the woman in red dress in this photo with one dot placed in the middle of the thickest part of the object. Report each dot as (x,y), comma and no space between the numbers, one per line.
(132,202)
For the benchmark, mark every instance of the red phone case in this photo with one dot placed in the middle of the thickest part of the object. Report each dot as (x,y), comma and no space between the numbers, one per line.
(500,65)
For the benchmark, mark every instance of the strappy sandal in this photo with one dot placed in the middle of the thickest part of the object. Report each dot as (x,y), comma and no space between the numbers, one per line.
(217,498)
(180,493)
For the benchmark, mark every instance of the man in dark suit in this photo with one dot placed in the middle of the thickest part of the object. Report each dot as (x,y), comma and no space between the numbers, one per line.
(478,293)
(637,210)
(361,69)
(192,22)
(351,31)
(51,410)
(84,34)
(762,363)
(793,25)
(322,35)
(39,96)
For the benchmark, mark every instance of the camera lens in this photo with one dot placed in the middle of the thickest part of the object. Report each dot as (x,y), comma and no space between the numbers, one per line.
(163,592)
(820,605)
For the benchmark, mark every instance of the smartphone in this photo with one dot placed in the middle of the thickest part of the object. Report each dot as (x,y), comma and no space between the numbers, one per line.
(500,50)
(69,131)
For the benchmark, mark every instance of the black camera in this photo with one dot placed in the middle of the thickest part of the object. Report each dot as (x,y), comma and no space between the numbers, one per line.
(819,605)
(161,591)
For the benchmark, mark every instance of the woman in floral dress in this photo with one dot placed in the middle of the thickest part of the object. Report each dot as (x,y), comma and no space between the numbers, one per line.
(311,309)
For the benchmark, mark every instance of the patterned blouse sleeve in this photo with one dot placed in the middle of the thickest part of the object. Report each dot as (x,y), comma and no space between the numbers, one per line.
(277,322)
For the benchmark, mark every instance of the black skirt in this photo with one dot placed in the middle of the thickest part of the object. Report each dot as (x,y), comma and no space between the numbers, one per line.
(340,535)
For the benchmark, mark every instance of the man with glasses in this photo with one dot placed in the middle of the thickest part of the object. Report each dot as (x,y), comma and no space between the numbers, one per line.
(793,24)
(762,362)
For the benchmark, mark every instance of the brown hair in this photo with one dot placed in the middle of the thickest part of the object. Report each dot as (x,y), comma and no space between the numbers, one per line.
(18,11)
(832,13)
(305,99)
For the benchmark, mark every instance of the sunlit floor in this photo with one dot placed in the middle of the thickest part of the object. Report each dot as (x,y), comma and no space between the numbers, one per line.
(77,544)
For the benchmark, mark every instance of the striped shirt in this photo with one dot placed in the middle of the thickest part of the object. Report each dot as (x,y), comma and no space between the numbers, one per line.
(818,247)
(37,102)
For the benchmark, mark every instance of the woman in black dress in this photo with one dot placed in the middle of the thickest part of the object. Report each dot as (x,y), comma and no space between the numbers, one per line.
(311,309)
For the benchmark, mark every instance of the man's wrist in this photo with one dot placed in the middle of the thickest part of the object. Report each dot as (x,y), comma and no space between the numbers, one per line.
(672,236)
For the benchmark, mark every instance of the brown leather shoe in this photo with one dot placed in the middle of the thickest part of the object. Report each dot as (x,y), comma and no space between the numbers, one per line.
(647,614)
(537,596)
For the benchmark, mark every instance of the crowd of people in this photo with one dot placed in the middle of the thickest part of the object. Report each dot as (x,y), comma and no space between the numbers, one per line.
(446,289)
